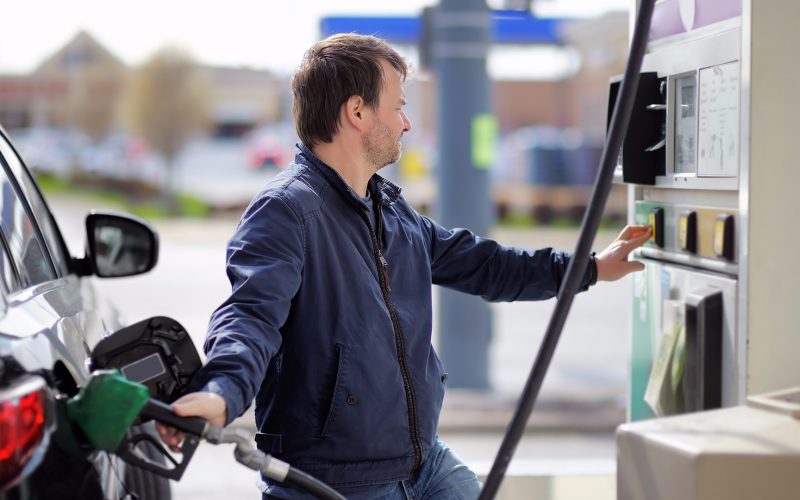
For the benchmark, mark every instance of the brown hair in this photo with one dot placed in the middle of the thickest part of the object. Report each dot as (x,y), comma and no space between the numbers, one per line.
(333,70)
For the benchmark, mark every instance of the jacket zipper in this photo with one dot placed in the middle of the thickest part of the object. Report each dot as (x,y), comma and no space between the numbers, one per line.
(383,279)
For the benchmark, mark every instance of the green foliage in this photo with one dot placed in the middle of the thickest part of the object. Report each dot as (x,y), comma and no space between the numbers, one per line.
(563,222)
(150,207)
(516,220)
(191,206)
(50,183)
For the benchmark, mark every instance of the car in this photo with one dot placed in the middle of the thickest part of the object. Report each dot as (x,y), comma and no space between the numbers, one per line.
(270,146)
(51,318)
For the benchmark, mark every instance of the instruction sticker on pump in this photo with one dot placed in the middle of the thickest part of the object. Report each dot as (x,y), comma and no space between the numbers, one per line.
(718,121)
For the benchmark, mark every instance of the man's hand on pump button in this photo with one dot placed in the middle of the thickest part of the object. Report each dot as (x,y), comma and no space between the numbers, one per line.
(613,263)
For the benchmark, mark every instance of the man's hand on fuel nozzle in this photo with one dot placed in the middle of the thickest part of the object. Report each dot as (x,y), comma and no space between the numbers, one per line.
(613,263)
(207,405)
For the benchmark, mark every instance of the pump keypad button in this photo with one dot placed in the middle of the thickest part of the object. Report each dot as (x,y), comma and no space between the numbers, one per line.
(687,231)
(655,218)
(723,236)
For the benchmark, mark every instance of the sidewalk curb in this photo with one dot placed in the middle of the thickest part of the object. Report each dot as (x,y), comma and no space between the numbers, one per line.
(578,418)
(489,413)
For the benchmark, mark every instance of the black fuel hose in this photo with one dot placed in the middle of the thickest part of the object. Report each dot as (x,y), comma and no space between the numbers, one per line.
(309,484)
(248,455)
(580,259)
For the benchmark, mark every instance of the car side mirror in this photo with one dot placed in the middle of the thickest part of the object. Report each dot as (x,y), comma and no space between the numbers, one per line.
(119,244)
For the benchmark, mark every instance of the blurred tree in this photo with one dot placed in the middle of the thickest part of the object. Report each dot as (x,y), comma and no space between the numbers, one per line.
(93,111)
(166,102)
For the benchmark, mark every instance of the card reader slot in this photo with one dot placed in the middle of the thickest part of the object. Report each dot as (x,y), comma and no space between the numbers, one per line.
(702,376)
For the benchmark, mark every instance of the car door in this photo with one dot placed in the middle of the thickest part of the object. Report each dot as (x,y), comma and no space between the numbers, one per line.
(50,309)
(45,284)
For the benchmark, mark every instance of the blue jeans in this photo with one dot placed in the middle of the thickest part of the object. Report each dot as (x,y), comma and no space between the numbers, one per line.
(443,476)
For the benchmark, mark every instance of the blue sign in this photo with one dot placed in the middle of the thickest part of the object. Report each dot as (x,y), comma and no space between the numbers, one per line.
(508,26)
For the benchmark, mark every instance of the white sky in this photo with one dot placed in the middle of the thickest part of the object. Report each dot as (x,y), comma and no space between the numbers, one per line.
(269,34)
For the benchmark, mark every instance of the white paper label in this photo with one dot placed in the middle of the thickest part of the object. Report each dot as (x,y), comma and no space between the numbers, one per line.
(718,121)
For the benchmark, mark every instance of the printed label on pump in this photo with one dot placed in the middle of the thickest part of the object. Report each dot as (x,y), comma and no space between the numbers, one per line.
(718,121)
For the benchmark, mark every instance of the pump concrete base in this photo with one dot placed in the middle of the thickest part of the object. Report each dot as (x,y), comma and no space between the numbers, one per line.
(739,453)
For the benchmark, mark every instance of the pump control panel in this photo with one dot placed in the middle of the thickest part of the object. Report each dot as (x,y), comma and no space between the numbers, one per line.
(689,234)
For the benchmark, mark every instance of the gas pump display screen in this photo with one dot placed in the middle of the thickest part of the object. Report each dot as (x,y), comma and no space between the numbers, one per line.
(685,124)
(718,121)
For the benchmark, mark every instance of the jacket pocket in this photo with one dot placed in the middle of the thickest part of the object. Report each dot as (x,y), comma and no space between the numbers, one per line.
(269,443)
(334,392)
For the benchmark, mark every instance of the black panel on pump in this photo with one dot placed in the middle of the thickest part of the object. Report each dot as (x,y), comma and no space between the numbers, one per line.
(702,376)
(644,147)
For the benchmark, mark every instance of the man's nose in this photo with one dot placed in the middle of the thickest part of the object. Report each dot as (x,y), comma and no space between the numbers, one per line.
(406,123)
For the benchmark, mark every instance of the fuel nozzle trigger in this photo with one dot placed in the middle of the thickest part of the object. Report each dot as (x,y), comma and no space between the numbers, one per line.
(133,448)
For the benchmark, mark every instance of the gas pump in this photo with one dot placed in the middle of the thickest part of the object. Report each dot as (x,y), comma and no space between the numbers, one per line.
(681,158)
(698,340)
(710,162)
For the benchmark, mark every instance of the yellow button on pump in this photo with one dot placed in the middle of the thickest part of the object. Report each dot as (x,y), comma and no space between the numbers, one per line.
(723,236)
(656,221)
(687,231)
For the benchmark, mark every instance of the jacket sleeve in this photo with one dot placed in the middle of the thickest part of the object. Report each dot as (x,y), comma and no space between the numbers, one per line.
(479,266)
(264,266)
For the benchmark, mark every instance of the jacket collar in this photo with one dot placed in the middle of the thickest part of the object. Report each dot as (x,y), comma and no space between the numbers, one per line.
(387,192)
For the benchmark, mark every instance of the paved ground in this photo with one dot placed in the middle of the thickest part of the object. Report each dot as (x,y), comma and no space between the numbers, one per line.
(583,391)
(563,466)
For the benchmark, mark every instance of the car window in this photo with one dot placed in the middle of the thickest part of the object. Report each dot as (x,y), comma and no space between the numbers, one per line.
(33,266)
(45,224)
(8,274)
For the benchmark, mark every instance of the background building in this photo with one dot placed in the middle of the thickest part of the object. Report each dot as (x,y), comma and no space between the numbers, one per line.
(550,127)
(81,86)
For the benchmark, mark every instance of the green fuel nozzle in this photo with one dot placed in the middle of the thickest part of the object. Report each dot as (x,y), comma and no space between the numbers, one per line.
(108,406)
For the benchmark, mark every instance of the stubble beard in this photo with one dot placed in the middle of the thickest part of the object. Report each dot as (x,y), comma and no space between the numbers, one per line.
(380,148)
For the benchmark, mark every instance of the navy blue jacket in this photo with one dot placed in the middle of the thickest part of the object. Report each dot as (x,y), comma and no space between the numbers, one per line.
(328,325)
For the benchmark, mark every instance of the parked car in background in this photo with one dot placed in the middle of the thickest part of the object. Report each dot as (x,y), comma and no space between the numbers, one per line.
(271,146)
(45,149)
(51,317)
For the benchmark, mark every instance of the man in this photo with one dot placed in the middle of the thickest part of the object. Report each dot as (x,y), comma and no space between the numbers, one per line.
(328,326)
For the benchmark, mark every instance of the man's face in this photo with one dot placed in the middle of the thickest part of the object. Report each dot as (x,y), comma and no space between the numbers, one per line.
(382,141)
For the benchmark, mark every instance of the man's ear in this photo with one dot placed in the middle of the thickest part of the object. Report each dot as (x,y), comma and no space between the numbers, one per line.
(354,112)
